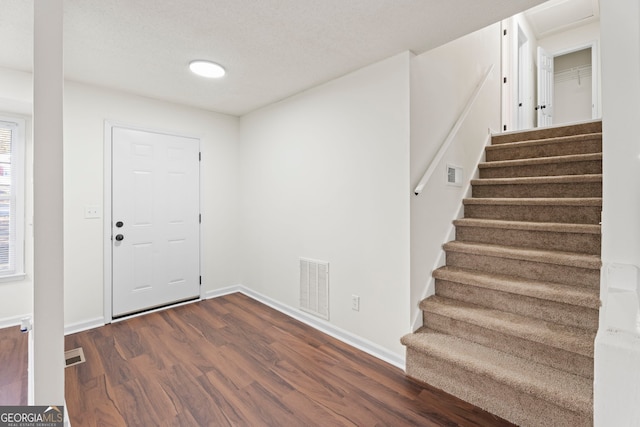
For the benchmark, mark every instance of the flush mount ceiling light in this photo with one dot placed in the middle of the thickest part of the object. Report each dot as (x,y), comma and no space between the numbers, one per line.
(207,69)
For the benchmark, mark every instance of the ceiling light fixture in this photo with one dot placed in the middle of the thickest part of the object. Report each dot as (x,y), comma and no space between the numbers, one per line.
(207,69)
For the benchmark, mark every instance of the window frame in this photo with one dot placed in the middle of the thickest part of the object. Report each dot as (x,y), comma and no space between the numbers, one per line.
(18,196)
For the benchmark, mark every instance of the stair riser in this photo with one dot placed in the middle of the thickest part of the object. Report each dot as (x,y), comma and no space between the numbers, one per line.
(561,214)
(572,189)
(556,358)
(543,133)
(568,242)
(560,148)
(514,405)
(561,313)
(549,169)
(574,276)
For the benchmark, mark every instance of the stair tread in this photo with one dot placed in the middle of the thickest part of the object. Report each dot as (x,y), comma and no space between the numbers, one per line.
(535,201)
(572,295)
(571,259)
(582,128)
(558,227)
(564,389)
(544,141)
(560,179)
(572,339)
(541,160)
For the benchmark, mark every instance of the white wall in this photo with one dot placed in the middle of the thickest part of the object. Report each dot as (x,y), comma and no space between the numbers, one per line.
(325,175)
(617,351)
(86,109)
(570,39)
(442,80)
(16,297)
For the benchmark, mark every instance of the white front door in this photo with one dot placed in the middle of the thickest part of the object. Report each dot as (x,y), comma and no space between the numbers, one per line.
(155,220)
(545,88)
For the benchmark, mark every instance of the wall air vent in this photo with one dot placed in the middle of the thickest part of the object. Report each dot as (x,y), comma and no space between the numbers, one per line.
(454,175)
(314,287)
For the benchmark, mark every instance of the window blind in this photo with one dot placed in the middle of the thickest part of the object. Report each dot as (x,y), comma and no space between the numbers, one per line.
(8,205)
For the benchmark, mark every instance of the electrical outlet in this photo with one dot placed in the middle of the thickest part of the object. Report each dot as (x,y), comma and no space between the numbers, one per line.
(355,302)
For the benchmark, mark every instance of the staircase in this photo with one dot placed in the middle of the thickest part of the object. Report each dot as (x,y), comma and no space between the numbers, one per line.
(515,312)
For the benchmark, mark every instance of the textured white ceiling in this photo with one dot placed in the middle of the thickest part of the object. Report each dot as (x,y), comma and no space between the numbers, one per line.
(271,49)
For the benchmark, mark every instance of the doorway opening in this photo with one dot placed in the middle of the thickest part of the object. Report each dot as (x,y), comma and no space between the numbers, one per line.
(551,65)
(573,86)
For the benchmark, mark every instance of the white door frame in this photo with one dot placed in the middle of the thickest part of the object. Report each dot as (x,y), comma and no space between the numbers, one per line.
(518,82)
(523,103)
(507,59)
(107,215)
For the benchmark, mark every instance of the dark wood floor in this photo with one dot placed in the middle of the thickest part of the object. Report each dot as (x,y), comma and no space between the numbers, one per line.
(233,361)
(14,347)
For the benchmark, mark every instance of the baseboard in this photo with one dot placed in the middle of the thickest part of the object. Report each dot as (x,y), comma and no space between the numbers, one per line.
(8,322)
(100,321)
(222,291)
(83,326)
(323,326)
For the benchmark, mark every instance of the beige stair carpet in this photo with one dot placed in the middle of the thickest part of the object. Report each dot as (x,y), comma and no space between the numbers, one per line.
(515,312)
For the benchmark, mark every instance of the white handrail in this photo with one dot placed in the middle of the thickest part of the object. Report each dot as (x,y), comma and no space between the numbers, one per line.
(452,133)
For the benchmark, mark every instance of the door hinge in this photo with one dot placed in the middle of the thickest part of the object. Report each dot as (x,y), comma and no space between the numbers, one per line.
(200,156)
(504,32)
(504,80)
(201,280)
(199,218)
(504,128)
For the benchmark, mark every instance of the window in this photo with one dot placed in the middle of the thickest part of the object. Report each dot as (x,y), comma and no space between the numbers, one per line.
(11,197)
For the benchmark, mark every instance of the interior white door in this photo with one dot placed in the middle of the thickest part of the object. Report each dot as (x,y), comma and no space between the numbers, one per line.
(545,88)
(155,220)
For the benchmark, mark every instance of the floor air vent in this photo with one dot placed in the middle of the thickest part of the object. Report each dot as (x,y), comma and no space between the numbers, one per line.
(74,357)
(314,287)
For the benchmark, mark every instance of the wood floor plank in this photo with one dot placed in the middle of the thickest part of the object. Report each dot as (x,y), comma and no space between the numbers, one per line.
(310,412)
(194,398)
(134,404)
(87,371)
(233,361)
(13,366)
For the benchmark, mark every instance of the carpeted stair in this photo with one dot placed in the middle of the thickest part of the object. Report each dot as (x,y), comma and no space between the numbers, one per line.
(515,312)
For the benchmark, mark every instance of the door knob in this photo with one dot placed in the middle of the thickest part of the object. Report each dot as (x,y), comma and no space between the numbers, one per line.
(119,224)
(119,237)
